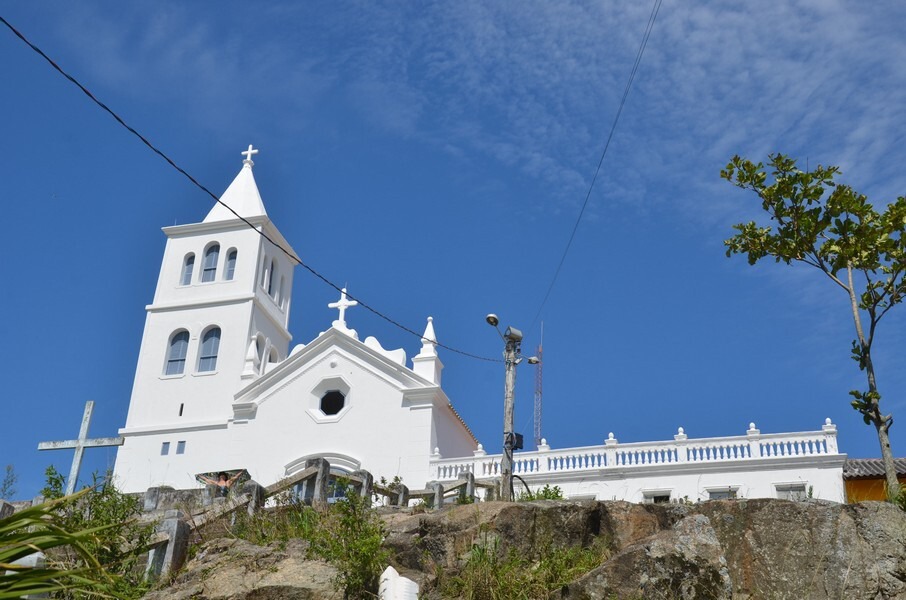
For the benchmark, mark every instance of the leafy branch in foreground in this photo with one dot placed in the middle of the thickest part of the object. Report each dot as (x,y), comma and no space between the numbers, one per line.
(834,229)
(119,543)
(39,529)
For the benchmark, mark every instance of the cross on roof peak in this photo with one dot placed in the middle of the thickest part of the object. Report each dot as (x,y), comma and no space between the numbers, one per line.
(342,304)
(248,156)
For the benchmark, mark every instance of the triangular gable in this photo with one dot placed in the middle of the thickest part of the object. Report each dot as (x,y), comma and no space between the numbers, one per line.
(335,343)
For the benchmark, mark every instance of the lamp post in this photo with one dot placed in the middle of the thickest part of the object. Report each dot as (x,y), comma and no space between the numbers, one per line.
(512,356)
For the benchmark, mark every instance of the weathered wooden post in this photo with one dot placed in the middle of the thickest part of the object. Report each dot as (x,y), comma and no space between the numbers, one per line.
(437,502)
(467,491)
(402,495)
(169,556)
(322,482)
(367,485)
(257,495)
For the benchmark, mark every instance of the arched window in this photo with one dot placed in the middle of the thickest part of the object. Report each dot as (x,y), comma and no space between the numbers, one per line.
(187,267)
(210,346)
(209,271)
(270,282)
(264,272)
(176,354)
(230,265)
(280,298)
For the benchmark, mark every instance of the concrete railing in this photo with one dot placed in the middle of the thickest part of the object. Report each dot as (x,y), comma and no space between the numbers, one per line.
(614,455)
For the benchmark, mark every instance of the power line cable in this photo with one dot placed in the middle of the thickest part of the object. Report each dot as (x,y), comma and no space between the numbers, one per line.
(635,67)
(289,254)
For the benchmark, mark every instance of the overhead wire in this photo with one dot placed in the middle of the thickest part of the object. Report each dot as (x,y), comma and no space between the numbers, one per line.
(635,67)
(195,182)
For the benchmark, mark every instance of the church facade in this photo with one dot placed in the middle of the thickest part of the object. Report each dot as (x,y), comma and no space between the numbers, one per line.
(217,388)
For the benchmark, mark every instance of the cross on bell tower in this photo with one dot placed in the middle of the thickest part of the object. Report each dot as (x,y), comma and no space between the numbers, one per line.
(248,156)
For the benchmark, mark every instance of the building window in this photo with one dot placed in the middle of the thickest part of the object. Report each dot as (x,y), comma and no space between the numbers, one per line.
(722,494)
(176,354)
(264,272)
(791,491)
(332,402)
(187,267)
(656,497)
(230,265)
(210,346)
(181,447)
(271,278)
(209,270)
(165,449)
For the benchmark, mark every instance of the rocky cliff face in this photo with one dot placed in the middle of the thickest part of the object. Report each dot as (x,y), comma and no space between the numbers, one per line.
(735,549)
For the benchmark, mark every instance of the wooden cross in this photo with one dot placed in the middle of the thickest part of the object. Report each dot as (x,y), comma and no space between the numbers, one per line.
(80,444)
(248,155)
(342,305)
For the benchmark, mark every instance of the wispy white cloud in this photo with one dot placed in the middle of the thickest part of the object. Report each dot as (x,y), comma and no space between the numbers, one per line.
(533,86)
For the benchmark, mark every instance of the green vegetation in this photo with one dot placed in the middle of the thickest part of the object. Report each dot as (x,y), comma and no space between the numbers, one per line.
(41,529)
(8,483)
(834,229)
(350,538)
(491,575)
(900,498)
(117,541)
(291,520)
(347,534)
(545,493)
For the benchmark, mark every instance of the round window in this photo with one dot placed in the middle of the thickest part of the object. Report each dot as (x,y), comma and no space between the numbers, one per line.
(332,402)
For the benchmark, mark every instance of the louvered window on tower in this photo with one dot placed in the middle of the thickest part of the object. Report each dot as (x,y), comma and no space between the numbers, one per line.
(210,346)
(270,282)
(187,267)
(230,266)
(211,256)
(176,354)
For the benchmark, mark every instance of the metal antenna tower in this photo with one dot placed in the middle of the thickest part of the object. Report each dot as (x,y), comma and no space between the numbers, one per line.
(538,381)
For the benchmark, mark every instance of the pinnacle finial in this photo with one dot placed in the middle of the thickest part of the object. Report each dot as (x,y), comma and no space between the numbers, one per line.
(248,156)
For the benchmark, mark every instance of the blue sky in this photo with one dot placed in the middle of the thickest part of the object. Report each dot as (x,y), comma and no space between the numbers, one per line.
(434,156)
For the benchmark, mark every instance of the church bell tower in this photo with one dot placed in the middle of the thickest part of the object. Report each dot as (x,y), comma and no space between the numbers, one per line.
(219,316)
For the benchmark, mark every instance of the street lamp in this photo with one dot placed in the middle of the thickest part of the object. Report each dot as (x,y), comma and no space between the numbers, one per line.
(512,356)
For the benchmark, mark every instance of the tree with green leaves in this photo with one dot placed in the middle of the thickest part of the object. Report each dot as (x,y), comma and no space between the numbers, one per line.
(8,483)
(834,229)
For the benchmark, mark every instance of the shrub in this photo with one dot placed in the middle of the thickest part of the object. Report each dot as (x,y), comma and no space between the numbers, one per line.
(489,576)
(293,520)
(38,529)
(348,534)
(545,493)
(119,541)
(350,537)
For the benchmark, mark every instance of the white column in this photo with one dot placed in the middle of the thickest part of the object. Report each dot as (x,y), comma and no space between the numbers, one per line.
(754,436)
(830,436)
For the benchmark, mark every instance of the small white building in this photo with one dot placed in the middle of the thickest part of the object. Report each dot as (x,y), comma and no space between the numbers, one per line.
(217,388)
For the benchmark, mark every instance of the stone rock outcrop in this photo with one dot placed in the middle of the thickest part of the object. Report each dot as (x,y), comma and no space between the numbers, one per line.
(720,550)
(733,549)
(231,569)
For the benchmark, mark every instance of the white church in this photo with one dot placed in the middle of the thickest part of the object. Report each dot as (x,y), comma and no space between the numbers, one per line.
(218,388)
